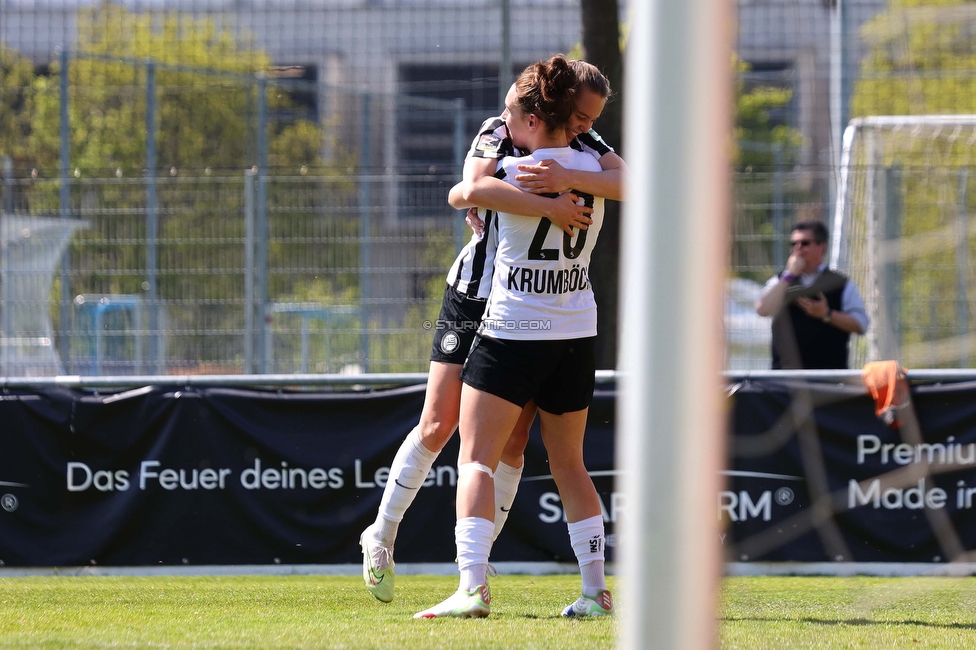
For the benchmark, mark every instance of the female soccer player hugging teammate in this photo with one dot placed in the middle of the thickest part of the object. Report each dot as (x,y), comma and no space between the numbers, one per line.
(548,194)
(536,342)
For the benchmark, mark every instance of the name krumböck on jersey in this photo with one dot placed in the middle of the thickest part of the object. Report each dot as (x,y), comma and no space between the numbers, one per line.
(550,281)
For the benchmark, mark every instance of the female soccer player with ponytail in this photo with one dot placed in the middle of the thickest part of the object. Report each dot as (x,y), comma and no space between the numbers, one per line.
(536,342)
(464,302)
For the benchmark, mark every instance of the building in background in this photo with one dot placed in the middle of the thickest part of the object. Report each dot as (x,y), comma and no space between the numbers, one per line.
(440,50)
(396,89)
(788,43)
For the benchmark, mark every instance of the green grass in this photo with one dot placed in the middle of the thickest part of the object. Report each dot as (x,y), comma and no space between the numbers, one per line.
(817,612)
(284,612)
(336,612)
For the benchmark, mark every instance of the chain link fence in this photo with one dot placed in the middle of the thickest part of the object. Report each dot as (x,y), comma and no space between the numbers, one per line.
(896,197)
(338,283)
(211,187)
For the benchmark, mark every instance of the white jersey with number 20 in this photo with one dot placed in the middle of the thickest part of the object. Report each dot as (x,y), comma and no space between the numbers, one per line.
(541,287)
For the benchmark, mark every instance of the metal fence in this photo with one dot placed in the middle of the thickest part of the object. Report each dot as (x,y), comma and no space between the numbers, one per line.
(216,189)
(897,197)
(765,205)
(213,187)
(335,284)
(345,278)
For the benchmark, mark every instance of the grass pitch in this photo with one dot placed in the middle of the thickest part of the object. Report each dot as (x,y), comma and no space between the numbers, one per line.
(862,612)
(337,612)
(285,612)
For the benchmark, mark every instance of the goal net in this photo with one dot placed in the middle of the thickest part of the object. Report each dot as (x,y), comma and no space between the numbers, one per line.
(902,232)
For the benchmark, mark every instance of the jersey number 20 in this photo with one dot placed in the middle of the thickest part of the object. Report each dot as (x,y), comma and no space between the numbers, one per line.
(537,252)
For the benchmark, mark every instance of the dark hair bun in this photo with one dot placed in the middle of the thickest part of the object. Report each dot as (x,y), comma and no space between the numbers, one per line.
(557,88)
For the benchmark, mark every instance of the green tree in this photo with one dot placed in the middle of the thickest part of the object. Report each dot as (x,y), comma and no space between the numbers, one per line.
(205,99)
(206,104)
(16,104)
(921,60)
(762,152)
(756,136)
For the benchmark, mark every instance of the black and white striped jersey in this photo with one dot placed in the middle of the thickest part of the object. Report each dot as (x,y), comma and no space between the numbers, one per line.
(471,272)
(591,143)
(493,141)
(472,269)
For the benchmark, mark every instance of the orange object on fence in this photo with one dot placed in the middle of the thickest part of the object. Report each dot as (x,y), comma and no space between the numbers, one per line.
(886,383)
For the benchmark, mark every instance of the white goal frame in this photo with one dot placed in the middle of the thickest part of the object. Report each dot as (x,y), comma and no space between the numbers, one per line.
(879,340)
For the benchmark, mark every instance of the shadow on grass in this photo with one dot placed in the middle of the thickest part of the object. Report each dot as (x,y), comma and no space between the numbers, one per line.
(849,621)
(551,617)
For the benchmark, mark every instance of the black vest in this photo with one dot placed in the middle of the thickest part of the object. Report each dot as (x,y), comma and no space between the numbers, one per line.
(804,342)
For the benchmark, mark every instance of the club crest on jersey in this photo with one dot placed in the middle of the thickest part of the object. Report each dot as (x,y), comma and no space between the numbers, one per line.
(489,143)
(450,343)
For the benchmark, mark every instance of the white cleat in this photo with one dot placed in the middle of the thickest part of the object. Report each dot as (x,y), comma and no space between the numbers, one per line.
(599,605)
(463,604)
(377,567)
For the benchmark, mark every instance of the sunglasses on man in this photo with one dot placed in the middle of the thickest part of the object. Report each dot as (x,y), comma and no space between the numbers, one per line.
(802,243)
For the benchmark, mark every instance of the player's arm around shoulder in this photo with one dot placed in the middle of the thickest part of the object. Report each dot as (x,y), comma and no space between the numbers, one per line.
(484,190)
(464,194)
(549,177)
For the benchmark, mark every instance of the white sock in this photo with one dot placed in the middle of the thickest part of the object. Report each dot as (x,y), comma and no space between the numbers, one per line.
(407,473)
(506,485)
(594,577)
(473,538)
(587,538)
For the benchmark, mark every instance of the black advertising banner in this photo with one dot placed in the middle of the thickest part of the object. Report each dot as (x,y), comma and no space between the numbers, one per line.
(211,476)
(221,476)
(815,476)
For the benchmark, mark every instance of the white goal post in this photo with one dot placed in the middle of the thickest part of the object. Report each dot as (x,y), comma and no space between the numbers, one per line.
(902,232)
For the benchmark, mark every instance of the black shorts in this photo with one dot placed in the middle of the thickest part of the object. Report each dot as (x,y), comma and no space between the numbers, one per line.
(456,326)
(558,374)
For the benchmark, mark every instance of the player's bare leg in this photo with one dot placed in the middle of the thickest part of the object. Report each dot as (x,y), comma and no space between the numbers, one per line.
(563,437)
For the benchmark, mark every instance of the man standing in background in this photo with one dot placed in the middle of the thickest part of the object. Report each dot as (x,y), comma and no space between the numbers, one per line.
(815,310)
